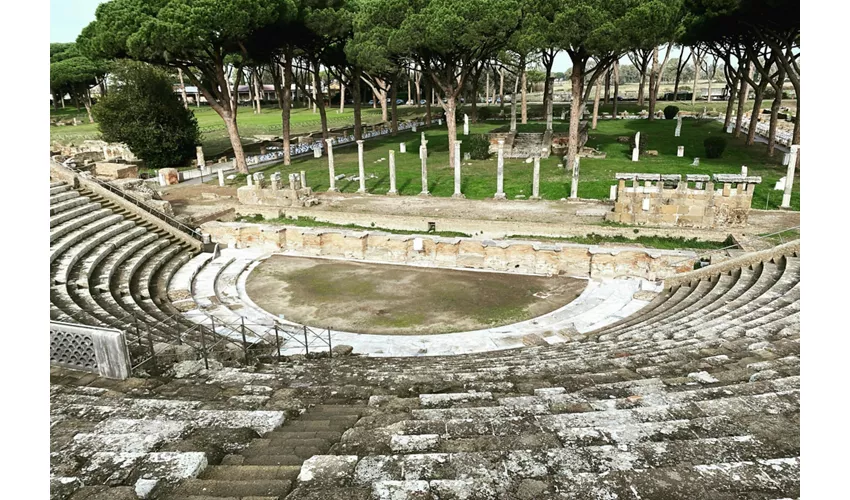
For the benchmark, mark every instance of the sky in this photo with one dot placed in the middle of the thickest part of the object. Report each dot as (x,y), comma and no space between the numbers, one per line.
(69,17)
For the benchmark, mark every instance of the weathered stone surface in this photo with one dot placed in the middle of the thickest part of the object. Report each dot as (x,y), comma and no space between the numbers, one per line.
(328,470)
(342,350)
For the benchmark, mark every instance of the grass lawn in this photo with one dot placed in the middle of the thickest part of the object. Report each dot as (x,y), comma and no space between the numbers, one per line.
(214,135)
(479,176)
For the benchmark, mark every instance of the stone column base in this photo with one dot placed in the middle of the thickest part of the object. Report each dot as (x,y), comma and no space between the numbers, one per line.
(333,190)
(424,193)
(535,198)
(459,195)
(392,193)
(361,191)
(499,196)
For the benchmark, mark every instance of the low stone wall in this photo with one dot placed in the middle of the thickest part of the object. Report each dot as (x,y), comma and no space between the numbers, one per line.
(88,348)
(668,200)
(745,260)
(255,195)
(112,171)
(514,256)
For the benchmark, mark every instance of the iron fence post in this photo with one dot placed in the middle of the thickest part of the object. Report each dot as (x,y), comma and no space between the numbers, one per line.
(136,324)
(330,347)
(306,343)
(150,346)
(204,346)
(277,342)
(244,340)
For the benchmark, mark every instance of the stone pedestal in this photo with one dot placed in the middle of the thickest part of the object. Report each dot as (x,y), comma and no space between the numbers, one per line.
(465,124)
(789,176)
(678,125)
(744,170)
(393,191)
(250,180)
(535,180)
(637,141)
(612,193)
(500,172)
(785,159)
(361,166)
(729,128)
(303,178)
(275,180)
(635,154)
(457,193)
(331,172)
(423,156)
(422,141)
(221,177)
(259,177)
(317,152)
(402,147)
(680,152)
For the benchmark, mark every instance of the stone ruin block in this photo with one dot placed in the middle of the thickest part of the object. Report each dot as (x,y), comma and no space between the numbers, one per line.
(736,179)
(112,171)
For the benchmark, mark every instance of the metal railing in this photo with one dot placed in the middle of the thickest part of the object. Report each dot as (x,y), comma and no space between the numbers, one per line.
(171,221)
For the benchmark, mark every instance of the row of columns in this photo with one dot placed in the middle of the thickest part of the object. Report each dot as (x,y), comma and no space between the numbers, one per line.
(423,157)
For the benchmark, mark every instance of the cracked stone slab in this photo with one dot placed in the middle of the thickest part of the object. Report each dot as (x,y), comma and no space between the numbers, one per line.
(328,470)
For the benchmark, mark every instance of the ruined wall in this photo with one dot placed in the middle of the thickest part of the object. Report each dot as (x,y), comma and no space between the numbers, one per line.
(515,256)
(667,200)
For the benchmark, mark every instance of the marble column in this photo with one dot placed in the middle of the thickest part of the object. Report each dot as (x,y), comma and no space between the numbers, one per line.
(574,183)
(423,155)
(303,179)
(361,166)
(393,191)
(221,177)
(535,180)
(199,154)
(457,193)
(789,176)
(331,172)
(500,172)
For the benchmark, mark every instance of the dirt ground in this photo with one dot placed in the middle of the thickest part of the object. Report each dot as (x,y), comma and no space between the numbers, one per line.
(399,300)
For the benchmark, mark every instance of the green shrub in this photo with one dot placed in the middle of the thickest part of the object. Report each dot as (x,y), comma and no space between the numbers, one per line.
(484,113)
(670,112)
(714,146)
(479,146)
(143,111)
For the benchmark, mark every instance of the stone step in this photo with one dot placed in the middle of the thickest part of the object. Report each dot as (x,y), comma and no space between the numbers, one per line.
(251,472)
(270,459)
(231,488)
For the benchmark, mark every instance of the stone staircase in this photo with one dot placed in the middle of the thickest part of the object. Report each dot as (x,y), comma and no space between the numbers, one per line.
(269,466)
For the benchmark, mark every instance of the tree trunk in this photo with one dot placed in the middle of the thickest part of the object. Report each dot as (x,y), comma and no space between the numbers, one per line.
(383,93)
(427,88)
(451,125)
(576,79)
(356,96)
(697,62)
(742,95)
(547,66)
(513,105)
(487,88)
(408,91)
(751,134)
(616,77)
(320,100)
(393,97)
(596,106)
(286,106)
(524,100)
(416,83)
(730,105)
(607,86)
(341,97)
(249,81)
(640,87)
(653,84)
(258,91)
(87,103)
(183,88)
(774,108)
(235,141)
(502,88)
(473,109)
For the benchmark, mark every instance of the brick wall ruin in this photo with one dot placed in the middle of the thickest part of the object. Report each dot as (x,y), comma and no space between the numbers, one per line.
(667,200)
(276,194)
(514,256)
